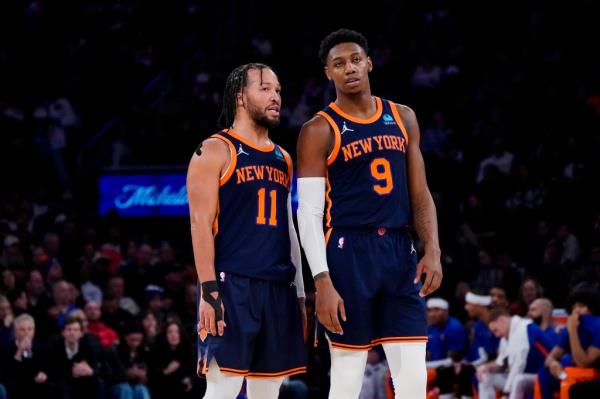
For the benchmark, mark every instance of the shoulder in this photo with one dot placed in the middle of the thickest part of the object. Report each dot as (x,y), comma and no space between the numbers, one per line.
(316,126)
(214,151)
(214,145)
(406,113)
(454,322)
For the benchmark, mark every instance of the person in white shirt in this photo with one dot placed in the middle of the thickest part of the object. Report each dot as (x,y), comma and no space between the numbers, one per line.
(522,351)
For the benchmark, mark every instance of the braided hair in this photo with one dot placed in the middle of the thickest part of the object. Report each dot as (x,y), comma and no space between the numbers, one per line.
(236,81)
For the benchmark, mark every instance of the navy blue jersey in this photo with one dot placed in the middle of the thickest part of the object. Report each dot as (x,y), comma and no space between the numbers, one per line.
(251,227)
(367,172)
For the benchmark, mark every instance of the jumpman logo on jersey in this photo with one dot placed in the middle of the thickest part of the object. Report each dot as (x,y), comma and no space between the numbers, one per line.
(346,128)
(412,248)
(241,151)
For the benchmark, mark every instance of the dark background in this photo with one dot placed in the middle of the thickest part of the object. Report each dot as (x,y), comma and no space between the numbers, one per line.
(88,87)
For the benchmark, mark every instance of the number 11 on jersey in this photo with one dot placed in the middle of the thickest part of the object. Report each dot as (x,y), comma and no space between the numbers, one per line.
(260,219)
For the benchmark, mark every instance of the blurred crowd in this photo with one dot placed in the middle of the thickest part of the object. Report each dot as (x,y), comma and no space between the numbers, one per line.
(509,111)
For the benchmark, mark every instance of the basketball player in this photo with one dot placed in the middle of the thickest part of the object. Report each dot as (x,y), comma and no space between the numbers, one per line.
(245,245)
(361,155)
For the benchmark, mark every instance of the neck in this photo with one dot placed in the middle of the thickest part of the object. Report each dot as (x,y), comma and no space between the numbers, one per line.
(545,324)
(248,129)
(484,317)
(359,104)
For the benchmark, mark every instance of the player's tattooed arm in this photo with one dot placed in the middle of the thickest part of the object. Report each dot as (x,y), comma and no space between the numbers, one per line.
(204,171)
(423,207)
(321,275)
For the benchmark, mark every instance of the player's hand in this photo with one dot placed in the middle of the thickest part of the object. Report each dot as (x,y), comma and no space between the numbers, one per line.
(573,322)
(301,304)
(431,266)
(555,369)
(328,304)
(208,319)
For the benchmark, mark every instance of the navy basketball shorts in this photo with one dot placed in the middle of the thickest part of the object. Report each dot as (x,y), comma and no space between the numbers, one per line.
(263,336)
(373,270)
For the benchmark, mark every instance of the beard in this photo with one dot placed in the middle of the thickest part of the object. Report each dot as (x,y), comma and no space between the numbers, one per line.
(538,320)
(261,119)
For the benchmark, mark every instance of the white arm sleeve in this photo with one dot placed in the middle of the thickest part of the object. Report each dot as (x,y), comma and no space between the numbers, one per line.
(311,203)
(295,251)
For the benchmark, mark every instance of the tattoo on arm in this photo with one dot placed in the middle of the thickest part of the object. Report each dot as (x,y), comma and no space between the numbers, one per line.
(319,276)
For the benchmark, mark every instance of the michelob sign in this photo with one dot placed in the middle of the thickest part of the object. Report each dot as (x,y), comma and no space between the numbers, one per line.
(144,194)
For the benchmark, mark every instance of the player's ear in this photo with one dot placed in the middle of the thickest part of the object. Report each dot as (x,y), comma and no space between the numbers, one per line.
(370,63)
(239,98)
(326,70)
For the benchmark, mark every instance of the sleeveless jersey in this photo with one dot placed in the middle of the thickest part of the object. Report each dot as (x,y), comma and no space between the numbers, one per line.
(251,226)
(366,170)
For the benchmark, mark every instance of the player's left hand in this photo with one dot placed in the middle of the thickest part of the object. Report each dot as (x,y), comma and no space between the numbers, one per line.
(301,304)
(431,266)
(573,322)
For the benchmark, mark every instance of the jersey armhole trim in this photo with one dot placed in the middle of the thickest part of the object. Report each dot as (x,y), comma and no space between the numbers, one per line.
(232,162)
(290,164)
(337,137)
(398,120)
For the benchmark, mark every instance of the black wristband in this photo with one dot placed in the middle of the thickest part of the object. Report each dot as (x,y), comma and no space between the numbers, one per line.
(208,287)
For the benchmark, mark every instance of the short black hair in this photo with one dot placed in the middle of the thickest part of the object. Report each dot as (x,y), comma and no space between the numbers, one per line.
(586,295)
(341,36)
(73,319)
(236,81)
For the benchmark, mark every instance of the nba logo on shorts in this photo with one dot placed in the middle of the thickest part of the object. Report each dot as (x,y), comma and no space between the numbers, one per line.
(341,243)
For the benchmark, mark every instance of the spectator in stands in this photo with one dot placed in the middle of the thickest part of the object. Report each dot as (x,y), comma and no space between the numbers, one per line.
(154,300)
(12,255)
(75,365)
(500,159)
(8,281)
(134,356)
(525,348)
(540,312)
(447,339)
(25,363)
(570,251)
(499,297)
(62,305)
(113,316)
(483,345)
(106,335)
(150,325)
(172,364)
(116,287)
(578,344)
(530,290)
(6,321)
(37,296)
